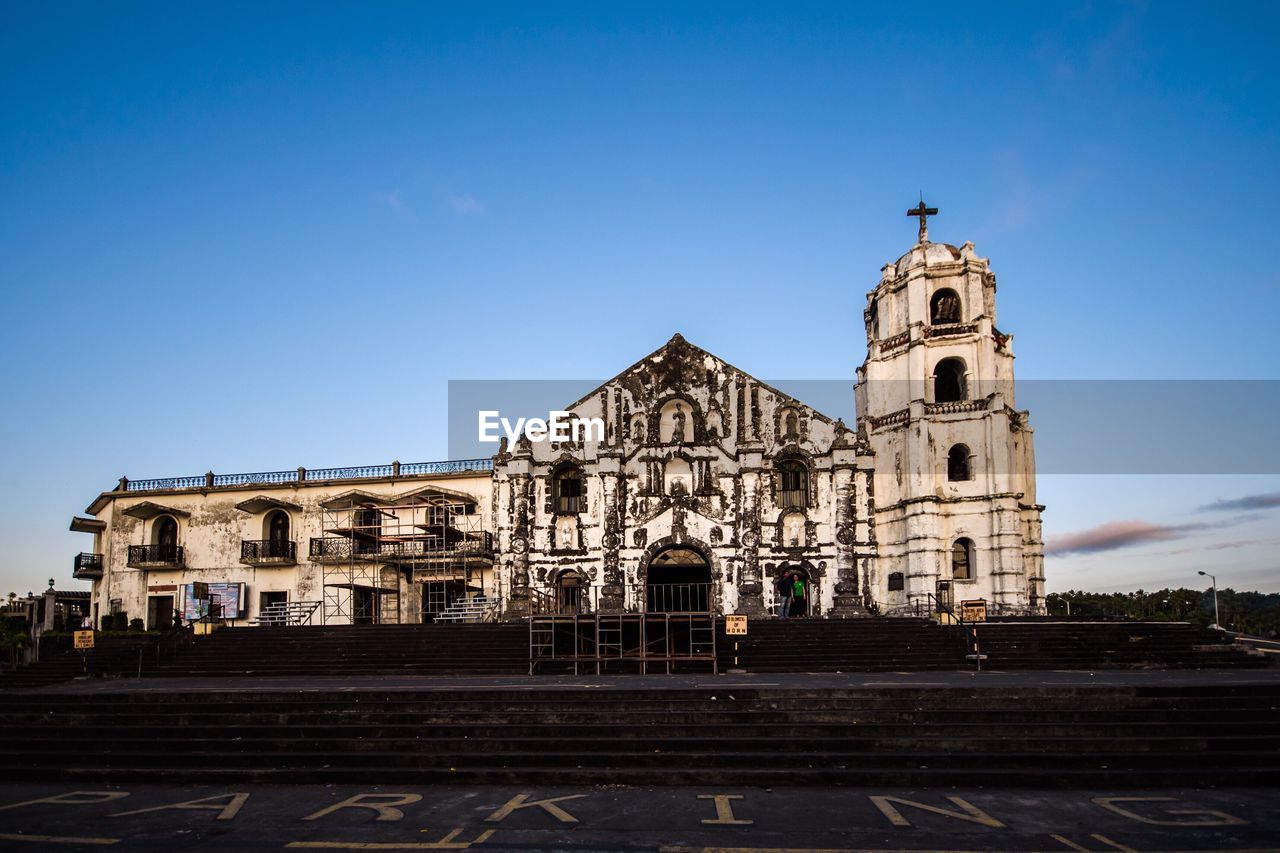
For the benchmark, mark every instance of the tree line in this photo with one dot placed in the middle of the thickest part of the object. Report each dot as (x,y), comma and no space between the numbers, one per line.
(1256,613)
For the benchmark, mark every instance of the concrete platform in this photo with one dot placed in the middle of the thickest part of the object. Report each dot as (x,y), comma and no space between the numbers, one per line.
(815,680)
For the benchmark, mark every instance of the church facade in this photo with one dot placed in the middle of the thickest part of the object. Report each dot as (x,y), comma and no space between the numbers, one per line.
(706,487)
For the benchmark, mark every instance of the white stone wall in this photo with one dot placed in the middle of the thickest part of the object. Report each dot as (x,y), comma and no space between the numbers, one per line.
(211,538)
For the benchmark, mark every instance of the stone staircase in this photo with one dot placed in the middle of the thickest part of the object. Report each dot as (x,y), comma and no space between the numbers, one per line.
(468,649)
(475,609)
(915,645)
(793,645)
(286,613)
(1102,645)
(736,735)
(843,645)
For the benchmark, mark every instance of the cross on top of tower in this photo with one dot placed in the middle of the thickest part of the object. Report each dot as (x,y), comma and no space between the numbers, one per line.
(924,213)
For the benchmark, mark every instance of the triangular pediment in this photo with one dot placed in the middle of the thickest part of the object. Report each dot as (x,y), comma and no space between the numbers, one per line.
(679,367)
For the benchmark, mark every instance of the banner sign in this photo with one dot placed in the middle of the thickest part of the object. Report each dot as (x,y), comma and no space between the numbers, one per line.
(231,597)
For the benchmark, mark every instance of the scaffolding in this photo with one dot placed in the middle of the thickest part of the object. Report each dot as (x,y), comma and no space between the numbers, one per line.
(431,541)
(661,628)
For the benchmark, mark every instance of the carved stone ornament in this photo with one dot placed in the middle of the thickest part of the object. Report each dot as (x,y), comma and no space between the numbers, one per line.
(640,537)
(751,539)
(611,541)
(845,536)
(519,546)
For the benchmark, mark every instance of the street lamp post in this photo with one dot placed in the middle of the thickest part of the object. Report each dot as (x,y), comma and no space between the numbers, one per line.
(1214,580)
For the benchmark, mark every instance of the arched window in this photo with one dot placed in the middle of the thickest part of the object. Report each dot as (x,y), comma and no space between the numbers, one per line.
(567,488)
(944,307)
(165,531)
(895,582)
(278,526)
(948,381)
(793,477)
(164,535)
(958,464)
(962,560)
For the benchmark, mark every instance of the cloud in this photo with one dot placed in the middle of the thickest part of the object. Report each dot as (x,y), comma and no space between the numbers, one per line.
(1117,534)
(465,205)
(1242,543)
(395,202)
(1269,500)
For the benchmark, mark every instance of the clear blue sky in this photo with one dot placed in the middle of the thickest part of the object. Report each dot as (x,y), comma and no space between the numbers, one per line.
(251,237)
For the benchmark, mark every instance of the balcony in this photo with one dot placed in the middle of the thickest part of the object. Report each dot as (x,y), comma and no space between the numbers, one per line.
(268,552)
(88,567)
(955,407)
(155,556)
(424,549)
(950,330)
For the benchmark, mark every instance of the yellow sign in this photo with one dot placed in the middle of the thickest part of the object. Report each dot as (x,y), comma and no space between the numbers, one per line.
(974,610)
(735,625)
(84,639)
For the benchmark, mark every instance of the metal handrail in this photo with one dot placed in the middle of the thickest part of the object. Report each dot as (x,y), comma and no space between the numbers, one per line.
(162,553)
(969,630)
(352,472)
(268,549)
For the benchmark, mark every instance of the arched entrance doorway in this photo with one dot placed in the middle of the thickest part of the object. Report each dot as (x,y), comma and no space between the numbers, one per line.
(678,580)
(805,603)
(570,587)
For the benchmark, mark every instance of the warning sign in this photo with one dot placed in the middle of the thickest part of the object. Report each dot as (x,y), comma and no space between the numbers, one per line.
(974,610)
(84,639)
(735,625)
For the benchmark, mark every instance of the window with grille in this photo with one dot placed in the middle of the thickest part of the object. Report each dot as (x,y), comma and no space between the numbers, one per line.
(793,479)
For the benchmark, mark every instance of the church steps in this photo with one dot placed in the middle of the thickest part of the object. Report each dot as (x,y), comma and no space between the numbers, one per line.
(434,731)
(1114,735)
(765,777)
(306,766)
(794,645)
(573,743)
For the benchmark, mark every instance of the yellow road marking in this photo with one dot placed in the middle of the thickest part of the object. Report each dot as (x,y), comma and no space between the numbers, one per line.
(971,813)
(522,801)
(446,843)
(383,804)
(724,811)
(57,839)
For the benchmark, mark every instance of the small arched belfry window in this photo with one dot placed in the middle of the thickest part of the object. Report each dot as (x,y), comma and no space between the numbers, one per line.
(948,381)
(958,464)
(962,560)
(793,483)
(944,307)
(567,487)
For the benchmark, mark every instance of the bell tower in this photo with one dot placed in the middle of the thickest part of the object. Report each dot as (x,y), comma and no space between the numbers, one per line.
(955,487)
